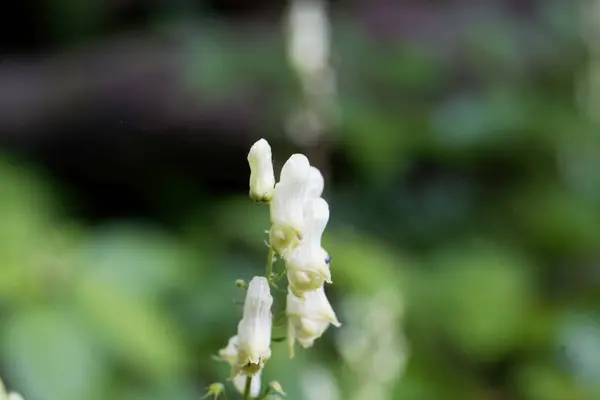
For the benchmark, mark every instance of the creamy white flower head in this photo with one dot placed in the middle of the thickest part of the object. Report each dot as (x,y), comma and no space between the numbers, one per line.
(15,396)
(307,264)
(254,330)
(262,178)
(239,382)
(287,217)
(308,317)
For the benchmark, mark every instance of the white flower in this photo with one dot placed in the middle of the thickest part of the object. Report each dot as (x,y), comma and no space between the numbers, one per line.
(308,317)
(240,384)
(262,178)
(287,218)
(307,264)
(254,330)
(15,396)
(230,354)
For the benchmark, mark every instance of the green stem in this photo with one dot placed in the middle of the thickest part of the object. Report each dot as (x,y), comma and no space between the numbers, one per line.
(265,394)
(270,263)
(247,388)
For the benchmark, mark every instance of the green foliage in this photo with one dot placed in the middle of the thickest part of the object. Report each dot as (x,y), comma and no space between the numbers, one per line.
(492,243)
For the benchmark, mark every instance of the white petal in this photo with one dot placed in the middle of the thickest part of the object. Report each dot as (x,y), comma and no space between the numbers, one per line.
(307,264)
(316,183)
(287,206)
(239,381)
(316,217)
(254,330)
(296,169)
(309,316)
(230,352)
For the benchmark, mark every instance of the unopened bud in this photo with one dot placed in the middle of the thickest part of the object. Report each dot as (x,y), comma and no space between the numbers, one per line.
(240,283)
(262,178)
(276,387)
(215,390)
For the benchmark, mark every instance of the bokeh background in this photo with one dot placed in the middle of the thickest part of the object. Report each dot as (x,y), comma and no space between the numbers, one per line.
(461,150)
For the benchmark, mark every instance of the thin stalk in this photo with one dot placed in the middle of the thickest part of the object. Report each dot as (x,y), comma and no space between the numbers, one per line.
(270,263)
(247,388)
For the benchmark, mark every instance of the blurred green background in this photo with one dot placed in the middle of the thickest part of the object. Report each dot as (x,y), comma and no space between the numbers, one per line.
(463,180)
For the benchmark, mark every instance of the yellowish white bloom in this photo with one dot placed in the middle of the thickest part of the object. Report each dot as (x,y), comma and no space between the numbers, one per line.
(307,264)
(230,354)
(254,330)
(308,317)
(287,218)
(262,178)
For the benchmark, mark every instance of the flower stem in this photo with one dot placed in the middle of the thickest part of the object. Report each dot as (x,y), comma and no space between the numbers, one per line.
(247,388)
(270,263)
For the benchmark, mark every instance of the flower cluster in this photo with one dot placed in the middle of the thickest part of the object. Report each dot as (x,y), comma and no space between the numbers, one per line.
(298,216)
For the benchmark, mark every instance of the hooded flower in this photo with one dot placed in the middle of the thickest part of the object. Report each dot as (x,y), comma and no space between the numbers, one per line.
(307,264)
(254,330)
(308,317)
(287,220)
(262,178)
(230,354)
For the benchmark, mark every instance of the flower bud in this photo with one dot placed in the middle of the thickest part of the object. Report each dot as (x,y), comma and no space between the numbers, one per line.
(254,330)
(215,390)
(262,178)
(275,386)
(240,283)
(308,317)
(307,265)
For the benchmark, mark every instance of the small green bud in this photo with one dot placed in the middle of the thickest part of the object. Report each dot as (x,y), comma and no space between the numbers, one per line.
(215,389)
(275,386)
(240,283)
